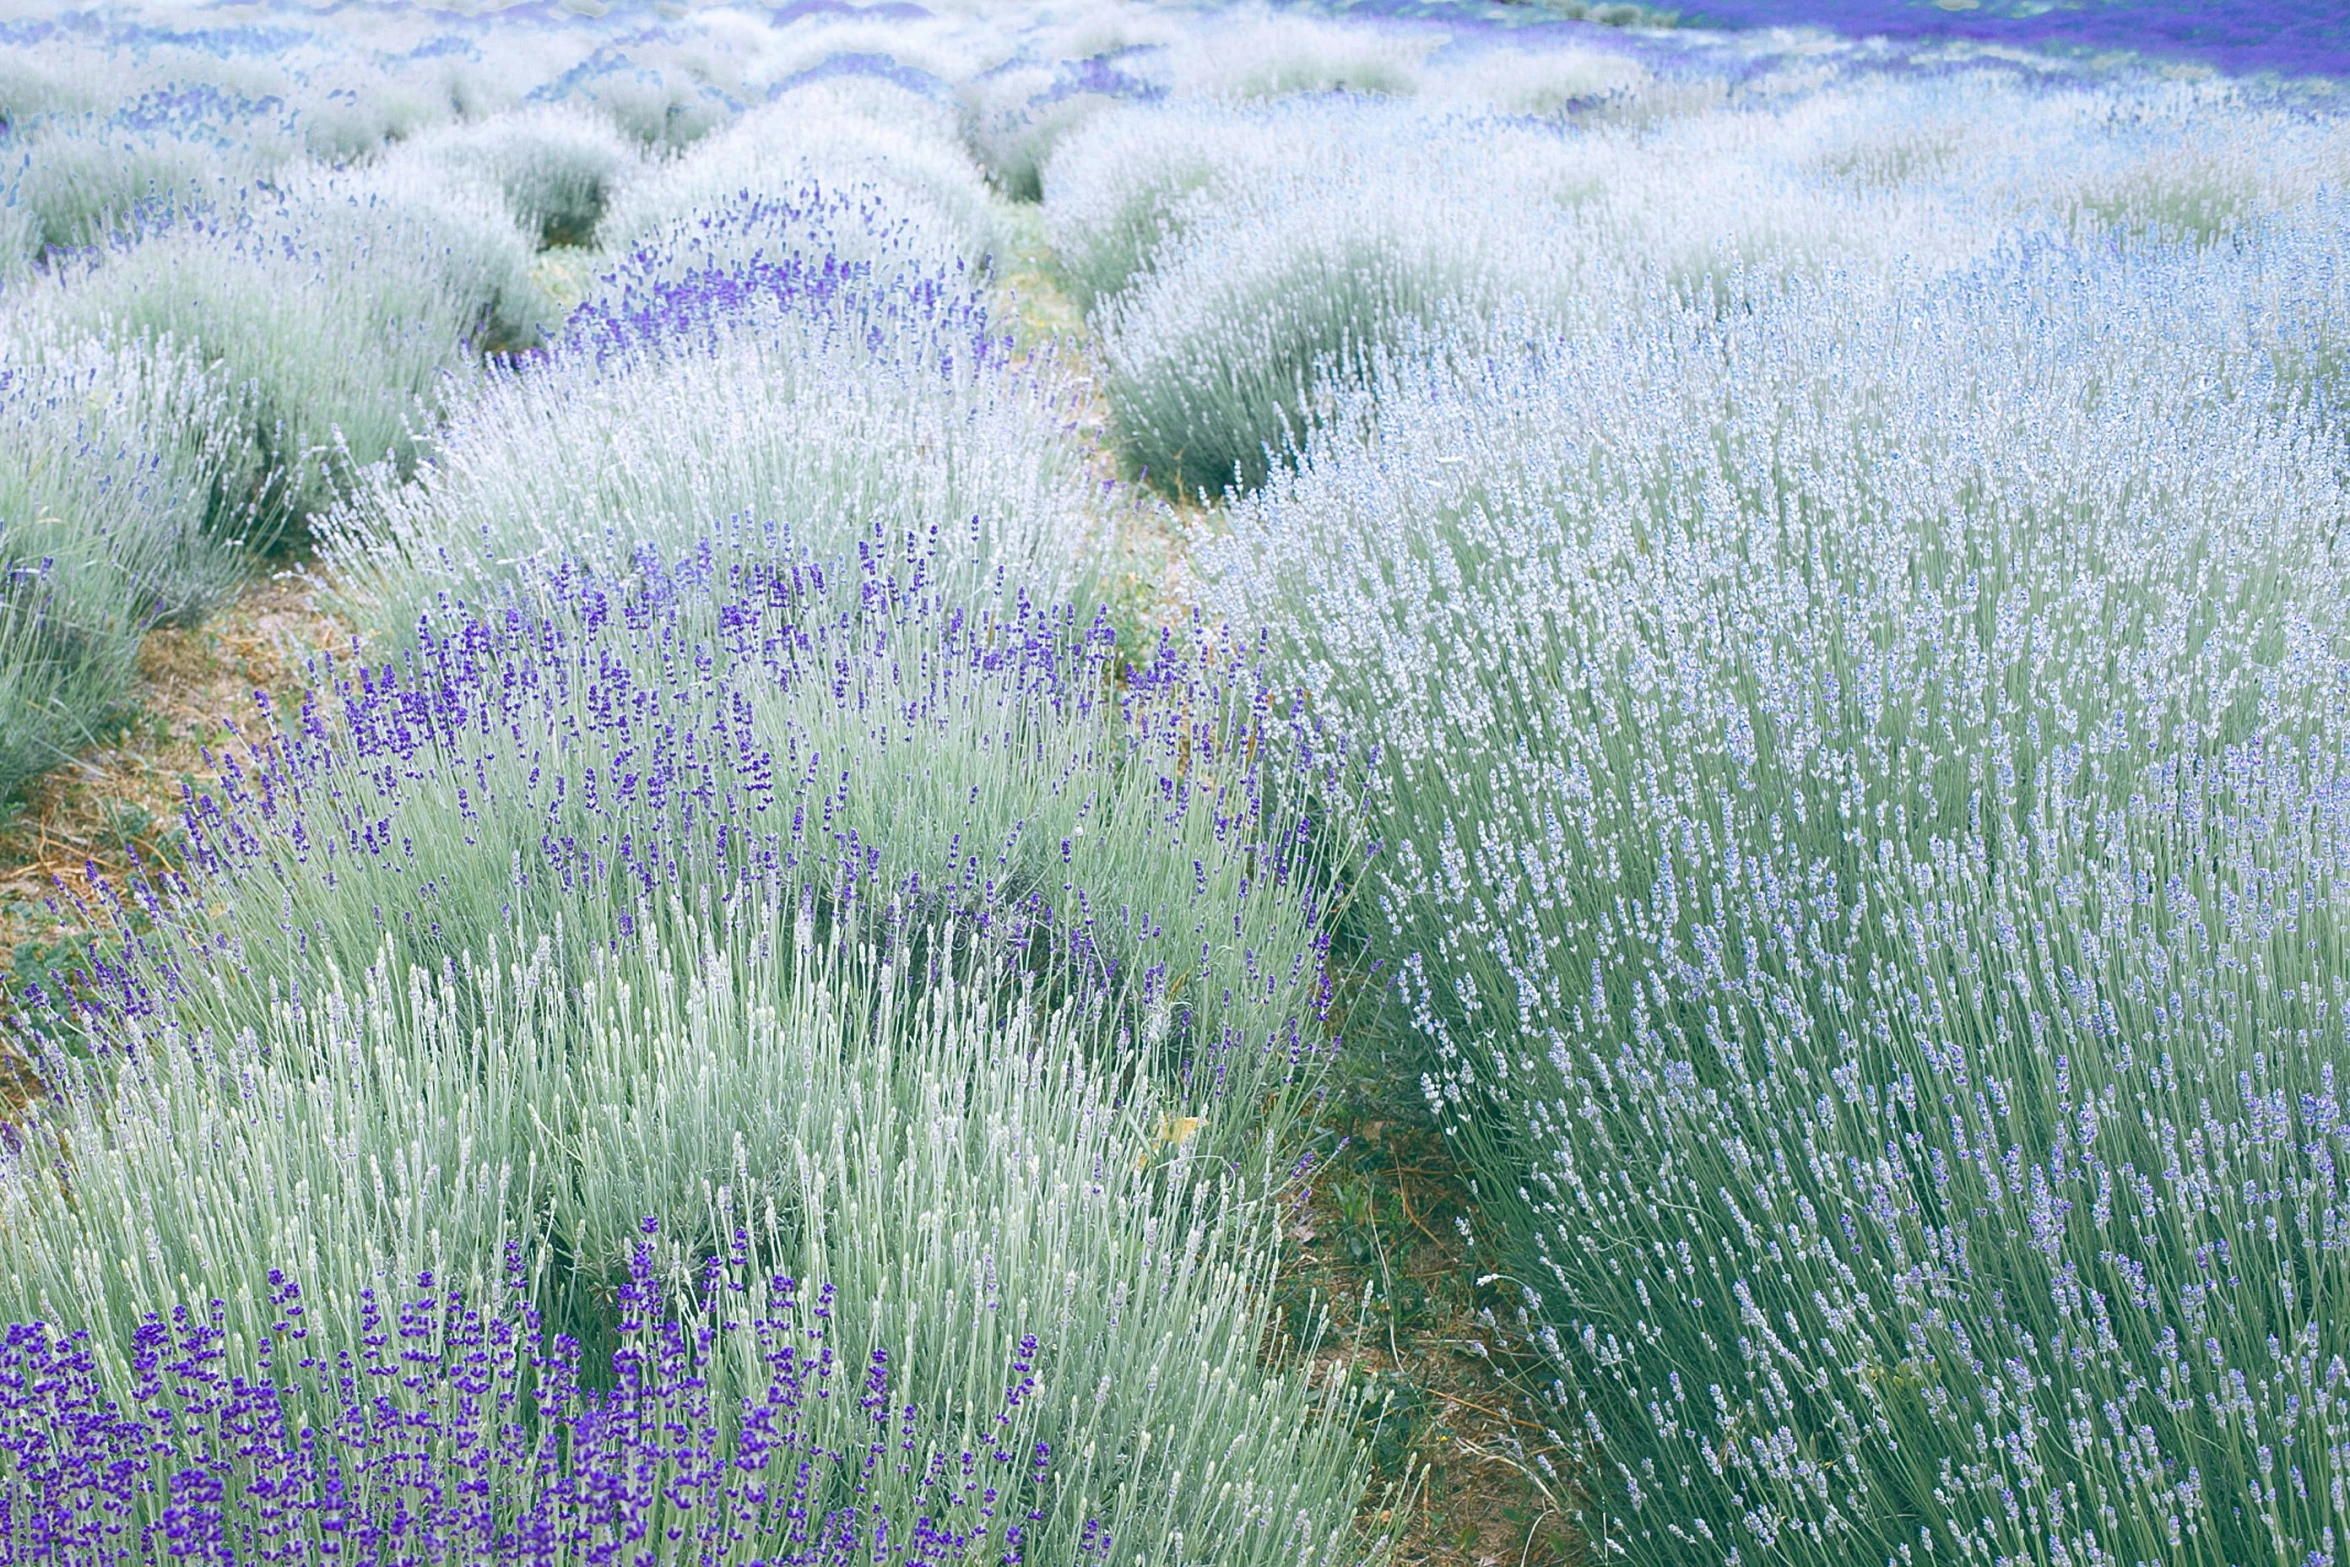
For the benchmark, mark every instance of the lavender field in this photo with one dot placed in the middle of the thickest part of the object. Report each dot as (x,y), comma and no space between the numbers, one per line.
(1175,785)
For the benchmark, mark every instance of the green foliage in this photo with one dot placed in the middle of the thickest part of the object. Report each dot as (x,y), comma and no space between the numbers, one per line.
(80,183)
(120,509)
(1859,857)
(964,1160)
(334,313)
(555,169)
(822,432)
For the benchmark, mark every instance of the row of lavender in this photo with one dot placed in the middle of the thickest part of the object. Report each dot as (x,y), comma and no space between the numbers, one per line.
(860,935)
(1839,595)
(246,270)
(744,1022)
(215,310)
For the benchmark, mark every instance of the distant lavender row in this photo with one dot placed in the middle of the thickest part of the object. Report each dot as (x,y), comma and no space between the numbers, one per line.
(2293,37)
(1235,256)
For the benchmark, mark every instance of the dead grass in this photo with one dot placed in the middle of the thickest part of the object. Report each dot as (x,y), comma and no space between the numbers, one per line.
(1377,1244)
(79,829)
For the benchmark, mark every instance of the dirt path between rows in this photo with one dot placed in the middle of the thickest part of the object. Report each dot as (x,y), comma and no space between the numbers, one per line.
(90,822)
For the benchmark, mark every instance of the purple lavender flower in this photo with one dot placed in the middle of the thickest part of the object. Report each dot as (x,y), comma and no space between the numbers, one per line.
(728,268)
(730,733)
(463,1432)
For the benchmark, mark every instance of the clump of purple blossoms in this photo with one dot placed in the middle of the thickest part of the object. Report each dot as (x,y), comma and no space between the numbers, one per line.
(837,258)
(729,735)
(462,1432)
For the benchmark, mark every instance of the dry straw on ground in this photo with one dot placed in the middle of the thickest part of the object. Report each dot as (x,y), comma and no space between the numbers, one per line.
(80,828)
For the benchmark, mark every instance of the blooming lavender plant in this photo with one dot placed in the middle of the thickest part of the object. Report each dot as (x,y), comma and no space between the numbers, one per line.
(555,168)
(780,366)
(968,1159)
(80,183)
(813,248)
(1171,842)
(1864,858)
(462,1429)
(1259,54)
(119,509)
(848,132)
(1234,258)
(663,107)
(335,307)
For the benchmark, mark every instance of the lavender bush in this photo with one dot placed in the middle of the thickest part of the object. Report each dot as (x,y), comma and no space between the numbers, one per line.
(1234,258)
(119,509)
(530,938)
(968,1159)
(664,108)
(1171,842)
(462,1430)
(81,183)
(1863,860)
(834,245)
(779,366)
(856,133)
(335,310)
(1014,115)
(554,168)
